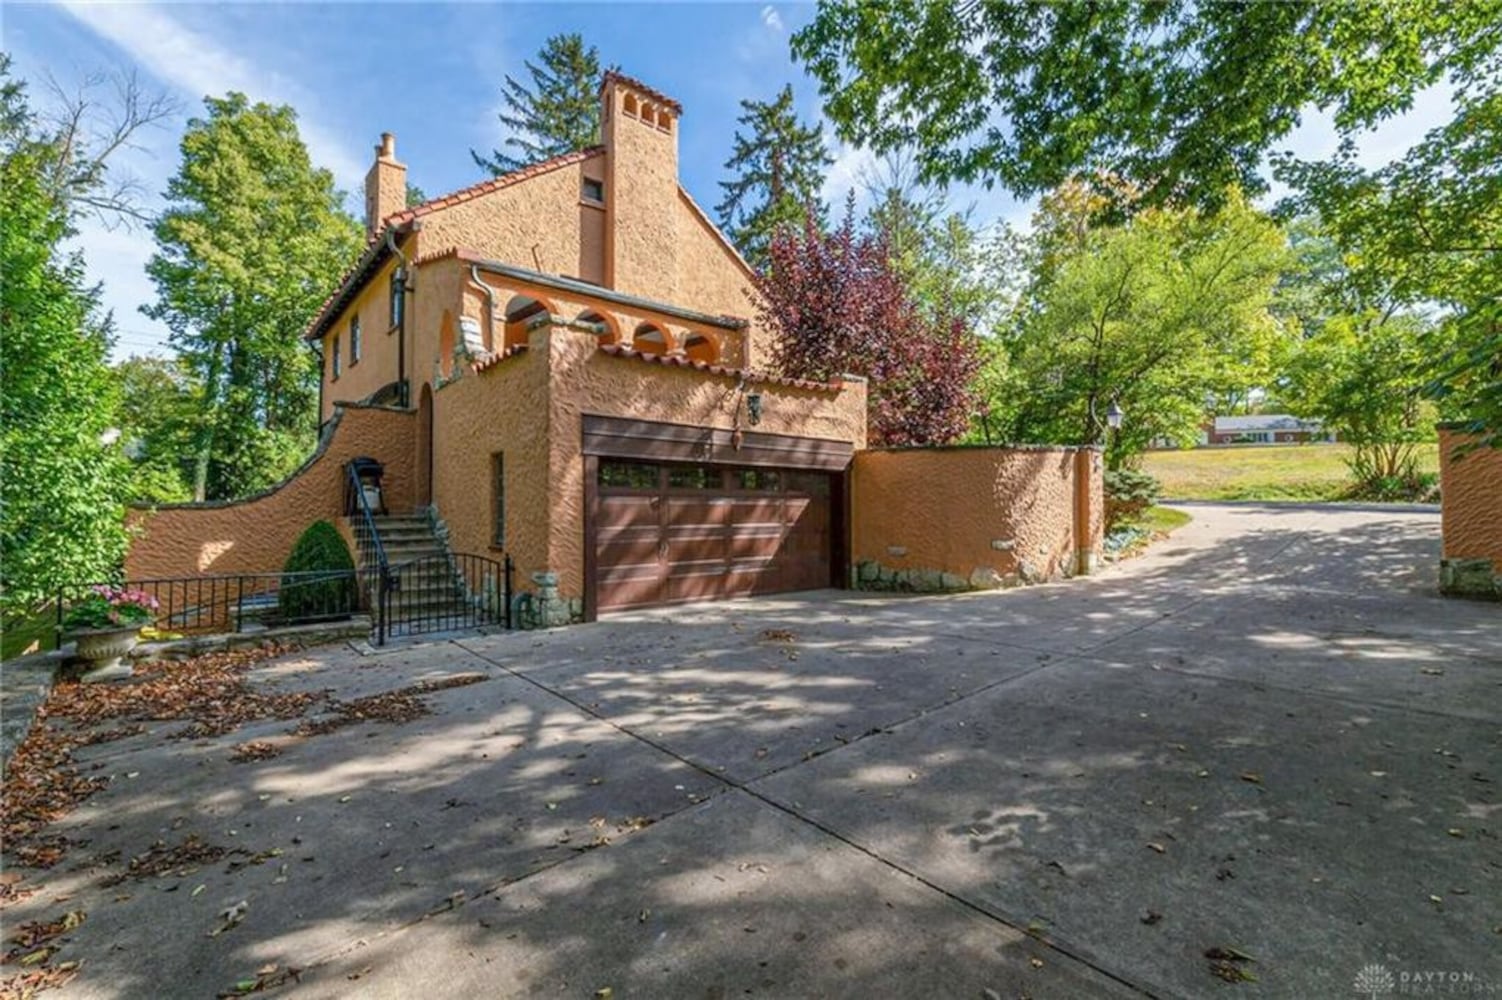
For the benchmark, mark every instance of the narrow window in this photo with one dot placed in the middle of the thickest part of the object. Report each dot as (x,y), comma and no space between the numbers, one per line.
(397,297)
(594,190)
(334,359)
(354,341)
(498,500)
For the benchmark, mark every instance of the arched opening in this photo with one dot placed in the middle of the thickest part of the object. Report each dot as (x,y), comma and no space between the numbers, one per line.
(608,332)
(521,310)
(650,339)
(702,347)
(425,446)
(664,120)
(630,105)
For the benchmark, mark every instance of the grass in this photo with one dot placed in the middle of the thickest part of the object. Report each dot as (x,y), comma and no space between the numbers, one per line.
(1162,520)
(1265,472)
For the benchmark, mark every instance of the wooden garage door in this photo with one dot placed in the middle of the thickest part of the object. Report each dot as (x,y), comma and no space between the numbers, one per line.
(672,532)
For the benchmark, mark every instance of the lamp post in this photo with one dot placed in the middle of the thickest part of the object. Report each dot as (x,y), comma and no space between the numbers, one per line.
(1113,416)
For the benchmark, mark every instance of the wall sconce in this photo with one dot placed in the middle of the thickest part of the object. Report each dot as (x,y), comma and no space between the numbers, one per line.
(753,407)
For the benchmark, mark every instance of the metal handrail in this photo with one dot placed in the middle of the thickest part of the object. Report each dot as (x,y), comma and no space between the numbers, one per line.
(369,538)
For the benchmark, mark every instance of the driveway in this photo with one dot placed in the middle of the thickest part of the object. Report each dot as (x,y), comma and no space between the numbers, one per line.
(1267,739)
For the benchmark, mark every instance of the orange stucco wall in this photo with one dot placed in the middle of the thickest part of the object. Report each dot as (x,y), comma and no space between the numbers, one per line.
(377,364)
(983,516)
(257,534)
(1471,500)
(530,407)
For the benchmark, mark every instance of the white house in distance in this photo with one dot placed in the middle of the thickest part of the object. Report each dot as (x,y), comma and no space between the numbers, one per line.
(1264,428)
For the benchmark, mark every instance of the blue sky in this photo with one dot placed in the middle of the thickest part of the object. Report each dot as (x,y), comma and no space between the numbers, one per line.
(431,73)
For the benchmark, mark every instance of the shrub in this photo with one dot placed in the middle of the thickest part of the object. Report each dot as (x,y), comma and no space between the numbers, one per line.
(111,607)
(1129,493)
(320,549)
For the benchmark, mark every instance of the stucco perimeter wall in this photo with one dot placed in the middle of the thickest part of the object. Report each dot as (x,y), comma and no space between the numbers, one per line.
(256,534)
(1471,517)
(974,518)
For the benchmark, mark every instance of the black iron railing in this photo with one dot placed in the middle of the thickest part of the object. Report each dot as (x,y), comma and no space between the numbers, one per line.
(445,592)
(238,602)
(372,552)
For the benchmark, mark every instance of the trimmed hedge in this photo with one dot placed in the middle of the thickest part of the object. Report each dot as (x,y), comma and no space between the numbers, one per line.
(319,548)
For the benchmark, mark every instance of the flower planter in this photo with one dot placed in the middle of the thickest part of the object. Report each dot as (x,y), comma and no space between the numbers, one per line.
(105,649)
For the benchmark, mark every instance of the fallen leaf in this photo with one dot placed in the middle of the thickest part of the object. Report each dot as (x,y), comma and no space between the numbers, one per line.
(1251,776)
(1154,846)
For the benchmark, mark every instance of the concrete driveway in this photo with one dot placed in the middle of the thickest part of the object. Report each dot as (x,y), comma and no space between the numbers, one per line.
(1266,737)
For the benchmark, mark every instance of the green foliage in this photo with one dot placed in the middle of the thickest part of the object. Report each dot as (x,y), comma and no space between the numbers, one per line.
(319,549)
(61,488)
(777,169)
(253,238)
(1427,230)
(110,607)
(559,113)
(158,401)
(1363,376)
(1160,315)
(1129,494)
(1185,98)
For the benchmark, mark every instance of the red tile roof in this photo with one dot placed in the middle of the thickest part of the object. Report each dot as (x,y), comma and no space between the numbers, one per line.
(618,77)
(485,364)
(680,361)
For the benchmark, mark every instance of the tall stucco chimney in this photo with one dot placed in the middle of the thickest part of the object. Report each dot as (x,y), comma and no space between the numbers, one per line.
(385,185)
(639,127)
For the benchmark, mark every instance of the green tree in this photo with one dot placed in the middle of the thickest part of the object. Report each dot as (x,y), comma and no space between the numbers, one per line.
(415,195)
(1160,315)
(158,403)
(252,239)
(62,481)
(777,165)
(559,112)
(1363,376)
(1184,98)
(1426,231)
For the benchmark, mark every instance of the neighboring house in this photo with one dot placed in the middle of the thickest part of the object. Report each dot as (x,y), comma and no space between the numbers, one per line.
(564,364)
(1265,428)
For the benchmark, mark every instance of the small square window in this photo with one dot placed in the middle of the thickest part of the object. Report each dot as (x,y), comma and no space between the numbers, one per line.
(693,477)
(335,361)
(629,475)
(354,341)
(594,190)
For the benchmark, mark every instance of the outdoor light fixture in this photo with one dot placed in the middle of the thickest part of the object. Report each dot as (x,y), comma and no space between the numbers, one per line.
(1113,416)
(753,407)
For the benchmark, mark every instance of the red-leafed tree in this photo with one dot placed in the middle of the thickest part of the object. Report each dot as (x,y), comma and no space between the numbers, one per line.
(837,304)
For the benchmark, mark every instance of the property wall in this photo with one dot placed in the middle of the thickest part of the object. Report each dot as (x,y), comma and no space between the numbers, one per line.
(1470,487)
(256,534)
(961,518)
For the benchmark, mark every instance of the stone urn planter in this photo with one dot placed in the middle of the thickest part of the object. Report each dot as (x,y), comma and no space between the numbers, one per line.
(106,649)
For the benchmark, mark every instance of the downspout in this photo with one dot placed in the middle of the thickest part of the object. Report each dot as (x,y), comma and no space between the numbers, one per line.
(474,275)
(402,395)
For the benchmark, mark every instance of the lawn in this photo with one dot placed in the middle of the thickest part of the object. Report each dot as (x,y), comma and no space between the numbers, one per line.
(1261,472)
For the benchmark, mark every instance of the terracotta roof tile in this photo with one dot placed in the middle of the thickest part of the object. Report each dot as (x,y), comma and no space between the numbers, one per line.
(680,361)
(485,364)
(635,84)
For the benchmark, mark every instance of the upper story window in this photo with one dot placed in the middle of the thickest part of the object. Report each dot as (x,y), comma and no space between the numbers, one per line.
(593,190)
(335,362)
(354,340)
(398,298)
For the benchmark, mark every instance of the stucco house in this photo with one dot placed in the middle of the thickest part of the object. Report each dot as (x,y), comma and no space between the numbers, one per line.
(564,364)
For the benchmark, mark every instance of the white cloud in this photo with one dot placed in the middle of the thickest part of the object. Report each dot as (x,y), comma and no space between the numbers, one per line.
(848,173)
(771,18)
(198,65)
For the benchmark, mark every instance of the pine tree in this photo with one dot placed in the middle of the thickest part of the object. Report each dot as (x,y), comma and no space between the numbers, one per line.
(559,113)
(778,167)
(253,238)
